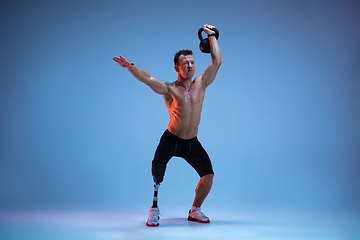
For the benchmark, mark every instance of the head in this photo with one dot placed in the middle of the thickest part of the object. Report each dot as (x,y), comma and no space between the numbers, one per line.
(184,63)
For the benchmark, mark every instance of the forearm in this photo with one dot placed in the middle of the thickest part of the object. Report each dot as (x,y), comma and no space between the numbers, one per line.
(139,74)
(215,50)
(211,71)
(157,86)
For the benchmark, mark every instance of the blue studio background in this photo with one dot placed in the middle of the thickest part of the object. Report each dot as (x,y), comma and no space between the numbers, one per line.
(280,122)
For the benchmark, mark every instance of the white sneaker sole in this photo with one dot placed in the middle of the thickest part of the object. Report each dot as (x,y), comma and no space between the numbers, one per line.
(152,225)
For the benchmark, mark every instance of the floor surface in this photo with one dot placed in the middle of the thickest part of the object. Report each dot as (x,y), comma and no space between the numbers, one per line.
(174,225)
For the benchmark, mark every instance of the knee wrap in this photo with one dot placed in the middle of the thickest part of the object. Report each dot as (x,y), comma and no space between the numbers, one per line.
(158,179)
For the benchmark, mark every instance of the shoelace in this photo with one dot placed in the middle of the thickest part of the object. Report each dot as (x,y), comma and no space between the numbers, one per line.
(200,213)
(155,213)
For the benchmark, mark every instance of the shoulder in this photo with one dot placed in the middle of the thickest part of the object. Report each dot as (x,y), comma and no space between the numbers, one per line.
(199,80)
(170,88)
(169,84)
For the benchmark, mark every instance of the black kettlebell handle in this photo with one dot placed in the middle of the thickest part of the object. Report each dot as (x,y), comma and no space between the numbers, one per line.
(202,29)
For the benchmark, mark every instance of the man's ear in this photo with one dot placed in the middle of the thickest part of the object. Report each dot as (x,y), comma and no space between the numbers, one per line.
(176,68)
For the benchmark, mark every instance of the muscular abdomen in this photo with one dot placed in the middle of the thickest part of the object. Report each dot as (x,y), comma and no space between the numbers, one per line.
(184,120)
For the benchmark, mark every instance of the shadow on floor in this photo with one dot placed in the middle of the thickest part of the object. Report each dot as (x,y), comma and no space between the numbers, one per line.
(182,222)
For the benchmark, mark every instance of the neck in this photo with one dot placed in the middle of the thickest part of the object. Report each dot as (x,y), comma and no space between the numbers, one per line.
(185,82)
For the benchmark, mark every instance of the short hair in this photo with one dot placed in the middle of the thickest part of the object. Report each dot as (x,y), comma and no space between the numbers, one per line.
(181,52)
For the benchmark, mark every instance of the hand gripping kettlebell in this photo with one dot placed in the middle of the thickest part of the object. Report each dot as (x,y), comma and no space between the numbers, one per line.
(204,42)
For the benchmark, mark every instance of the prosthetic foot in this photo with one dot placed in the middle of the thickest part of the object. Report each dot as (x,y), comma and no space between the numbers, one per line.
(154,214)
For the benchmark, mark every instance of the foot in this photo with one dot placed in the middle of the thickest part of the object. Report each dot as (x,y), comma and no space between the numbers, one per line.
(198,216)
(154,216)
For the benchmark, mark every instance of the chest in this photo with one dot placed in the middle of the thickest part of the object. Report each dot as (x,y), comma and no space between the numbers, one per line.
(192,95)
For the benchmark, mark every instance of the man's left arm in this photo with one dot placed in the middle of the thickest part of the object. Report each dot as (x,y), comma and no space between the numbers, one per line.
(211,71)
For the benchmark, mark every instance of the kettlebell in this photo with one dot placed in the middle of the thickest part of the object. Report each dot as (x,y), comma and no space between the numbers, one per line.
(204,42)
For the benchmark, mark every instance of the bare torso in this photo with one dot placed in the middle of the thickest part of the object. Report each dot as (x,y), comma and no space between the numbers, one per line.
(184,106)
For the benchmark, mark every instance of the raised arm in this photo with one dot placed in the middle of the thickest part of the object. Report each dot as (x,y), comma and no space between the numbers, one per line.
(157,86)
(211,71)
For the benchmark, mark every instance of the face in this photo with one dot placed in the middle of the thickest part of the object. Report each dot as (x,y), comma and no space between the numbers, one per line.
(186,67)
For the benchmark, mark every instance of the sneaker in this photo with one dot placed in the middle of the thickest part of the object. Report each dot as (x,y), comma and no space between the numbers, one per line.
(154,216)
(198,216)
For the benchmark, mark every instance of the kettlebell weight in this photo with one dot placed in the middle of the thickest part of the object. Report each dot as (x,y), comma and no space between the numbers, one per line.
(204,42)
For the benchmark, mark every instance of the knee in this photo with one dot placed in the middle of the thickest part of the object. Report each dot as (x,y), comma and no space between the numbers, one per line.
(158,179)
(208,179)
(158,169)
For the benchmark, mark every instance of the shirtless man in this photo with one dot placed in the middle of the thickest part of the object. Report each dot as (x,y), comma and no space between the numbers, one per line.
(184,99)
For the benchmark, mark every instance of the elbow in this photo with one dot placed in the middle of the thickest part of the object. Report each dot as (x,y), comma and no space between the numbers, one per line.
(218,62)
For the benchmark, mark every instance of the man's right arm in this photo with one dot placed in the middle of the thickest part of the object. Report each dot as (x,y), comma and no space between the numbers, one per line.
(157,86)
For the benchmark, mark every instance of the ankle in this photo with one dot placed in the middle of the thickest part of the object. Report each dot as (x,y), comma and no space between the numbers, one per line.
(194,208)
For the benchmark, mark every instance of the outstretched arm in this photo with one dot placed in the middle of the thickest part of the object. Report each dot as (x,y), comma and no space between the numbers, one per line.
(157,86)
(211,71)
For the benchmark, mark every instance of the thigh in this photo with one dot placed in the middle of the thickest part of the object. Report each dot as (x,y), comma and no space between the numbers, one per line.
(199,159)
(164,152)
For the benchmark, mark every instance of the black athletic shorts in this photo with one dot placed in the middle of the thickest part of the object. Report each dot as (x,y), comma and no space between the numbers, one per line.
(190,149)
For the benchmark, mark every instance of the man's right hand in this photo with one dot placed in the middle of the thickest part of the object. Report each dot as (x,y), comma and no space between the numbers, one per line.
(123,62)
(208,29)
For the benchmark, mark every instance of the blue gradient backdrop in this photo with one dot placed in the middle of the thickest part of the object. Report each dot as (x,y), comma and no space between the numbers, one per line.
(280,122)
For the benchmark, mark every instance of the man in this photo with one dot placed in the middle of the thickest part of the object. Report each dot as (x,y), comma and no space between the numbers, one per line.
(184,99)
